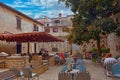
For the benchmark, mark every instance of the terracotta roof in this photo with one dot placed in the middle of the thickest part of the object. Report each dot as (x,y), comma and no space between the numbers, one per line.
(31,37)
(1,36)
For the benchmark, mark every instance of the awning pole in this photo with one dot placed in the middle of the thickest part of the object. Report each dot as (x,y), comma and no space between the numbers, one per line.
(28,47)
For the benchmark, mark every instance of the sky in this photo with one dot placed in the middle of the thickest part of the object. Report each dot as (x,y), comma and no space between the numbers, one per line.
(39,8)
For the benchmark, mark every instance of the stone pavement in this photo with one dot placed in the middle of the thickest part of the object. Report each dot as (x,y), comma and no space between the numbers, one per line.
(51,73)
(95,69)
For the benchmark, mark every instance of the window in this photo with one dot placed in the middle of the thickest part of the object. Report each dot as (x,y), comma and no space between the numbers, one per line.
(57,21)
(54,49)
(47,24)
(35,28)
(55,29)
(18,19)
(117,47)
(65,29)
(47,30)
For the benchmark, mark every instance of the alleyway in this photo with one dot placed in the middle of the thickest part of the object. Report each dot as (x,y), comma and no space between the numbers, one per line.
(95,69)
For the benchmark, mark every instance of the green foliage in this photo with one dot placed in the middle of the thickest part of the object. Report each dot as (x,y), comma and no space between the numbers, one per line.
(105,50)
(94,50)
(92,13)
(108,25)
(77,54)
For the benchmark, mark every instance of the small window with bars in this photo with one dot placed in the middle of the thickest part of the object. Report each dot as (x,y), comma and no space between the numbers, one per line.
(57,21)
(35,28)
(18,20)
(47,30)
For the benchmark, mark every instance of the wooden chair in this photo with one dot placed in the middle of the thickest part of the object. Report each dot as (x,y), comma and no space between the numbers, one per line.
(28,74)
(82,75)
(17,73)
(64,76)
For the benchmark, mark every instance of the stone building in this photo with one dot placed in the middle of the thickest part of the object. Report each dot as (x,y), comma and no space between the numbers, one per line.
(12,22)
(113,41)
(59,27)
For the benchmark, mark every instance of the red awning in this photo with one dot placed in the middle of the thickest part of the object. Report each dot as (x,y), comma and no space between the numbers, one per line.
(1,36)
(31,37)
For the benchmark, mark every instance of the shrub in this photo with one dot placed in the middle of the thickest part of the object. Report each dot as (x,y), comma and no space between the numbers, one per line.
(105,50)
(94,50)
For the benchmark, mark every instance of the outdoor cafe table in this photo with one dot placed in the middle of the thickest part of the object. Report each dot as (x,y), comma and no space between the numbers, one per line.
(73,72)
(6,74)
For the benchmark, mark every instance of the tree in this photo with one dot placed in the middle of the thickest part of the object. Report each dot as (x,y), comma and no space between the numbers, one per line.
(92,18)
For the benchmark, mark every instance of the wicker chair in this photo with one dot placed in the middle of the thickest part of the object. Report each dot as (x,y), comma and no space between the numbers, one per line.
(82,75)
(17,73)
(64,76)
(28,74)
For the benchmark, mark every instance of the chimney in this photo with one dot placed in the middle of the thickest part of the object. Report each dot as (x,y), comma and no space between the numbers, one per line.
(60,15)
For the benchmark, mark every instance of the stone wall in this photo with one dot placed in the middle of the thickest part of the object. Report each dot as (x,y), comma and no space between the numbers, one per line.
(7,47)
(8,24)
(114,44)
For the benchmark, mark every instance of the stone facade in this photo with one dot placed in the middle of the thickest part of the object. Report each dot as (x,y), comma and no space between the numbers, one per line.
(59,27)
(113,40)
(114,44)
(65,22)
(8,25)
